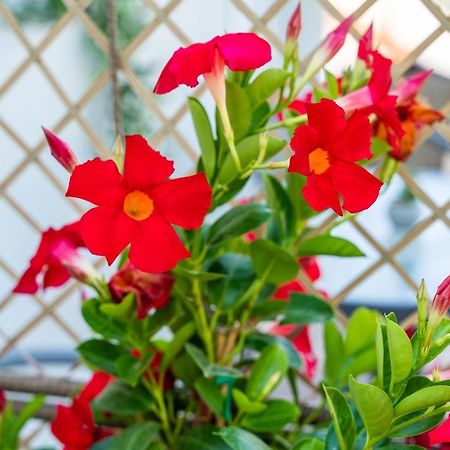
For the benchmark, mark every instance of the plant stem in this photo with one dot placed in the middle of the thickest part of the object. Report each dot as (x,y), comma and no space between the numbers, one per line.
(298,120)
(229,135)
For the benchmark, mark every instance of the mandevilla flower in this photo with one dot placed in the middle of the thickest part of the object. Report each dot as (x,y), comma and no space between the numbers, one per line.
(293,29)
(150,290)
(413,115)
(74,425)
(61,150)
(139,207)
(326,151)
(237,51)
(56,259)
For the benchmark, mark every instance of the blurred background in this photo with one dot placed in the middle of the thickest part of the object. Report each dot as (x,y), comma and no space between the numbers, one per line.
(55,70)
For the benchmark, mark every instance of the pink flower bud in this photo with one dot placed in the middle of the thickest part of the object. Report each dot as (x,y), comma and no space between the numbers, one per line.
(294,25)
(78,267)
(441,301)
(409,88)
(61,150)
(329,47)
(366,44)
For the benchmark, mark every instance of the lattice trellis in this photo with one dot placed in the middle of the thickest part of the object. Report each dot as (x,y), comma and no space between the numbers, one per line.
(260,14)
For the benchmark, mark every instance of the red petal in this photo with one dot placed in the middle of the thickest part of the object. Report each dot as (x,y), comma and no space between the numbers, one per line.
(27,283)
(95,386)
(304,141)
(282,293)
(106,232)
(358,187)
(354,143)
(327,118)
(156,248)
(185,66)
(98,182)
(320,194)
(56,275)
(244,51)
(440,434)
(183,201)
(144,166)
(386,111)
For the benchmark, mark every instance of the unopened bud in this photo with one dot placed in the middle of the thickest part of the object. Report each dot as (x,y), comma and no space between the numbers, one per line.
(61,150)
(294,25)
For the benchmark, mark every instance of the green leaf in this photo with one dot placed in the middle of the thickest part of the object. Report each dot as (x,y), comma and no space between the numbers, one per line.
(401,447)
(280,204)
(273,418)
(328,245)
(267,372)
(259,341)
(136,437)
(248,151)
(419,427)
(208,369)
(343,420)
(374,406)
(334,349)
(296,182)
(400,352)
(308,444)
(238,277)
(383,360)
(380,147)
(304,309)
(203,276)
(332,84)
(426,397)
(237,221)
(29,410)
(246,405)
(211,395)
(265,84)
(361,331)
(101,323)
(160,318)
(202,438)
(130,368)
(122,312)
(239,110)
(100,354)
(239,439)
(182,335)
(119,398)
(204,135)
(273,262)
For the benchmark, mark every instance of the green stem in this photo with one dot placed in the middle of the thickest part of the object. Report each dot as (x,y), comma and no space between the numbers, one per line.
(272,165)
(229,135)
(298,120)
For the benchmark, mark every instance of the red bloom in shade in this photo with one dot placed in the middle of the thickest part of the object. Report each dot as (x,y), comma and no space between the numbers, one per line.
(237,51)
(300,339)
(2,401)
(150,290)
(51,260)
(326,151)
(74,425)
(139,207)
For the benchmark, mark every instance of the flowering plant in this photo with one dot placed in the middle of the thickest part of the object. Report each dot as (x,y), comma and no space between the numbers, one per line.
(211,305)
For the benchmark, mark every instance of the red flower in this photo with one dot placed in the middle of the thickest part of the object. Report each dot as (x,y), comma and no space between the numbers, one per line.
(150,290)
(2,400)
(56,259)
(61,150)
(74,425)
(139,207)
(300,339)
(413,116)
(326,151)
(365,44)
(439,435)
(238,51)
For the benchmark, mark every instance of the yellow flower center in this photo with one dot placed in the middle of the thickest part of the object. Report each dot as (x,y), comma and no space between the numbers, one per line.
(319,161)
(138,205)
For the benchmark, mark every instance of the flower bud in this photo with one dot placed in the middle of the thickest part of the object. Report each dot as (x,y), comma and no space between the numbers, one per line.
(329,47)
(61,150)
(78,267)
(441,301)
(292,32)
(118,153)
